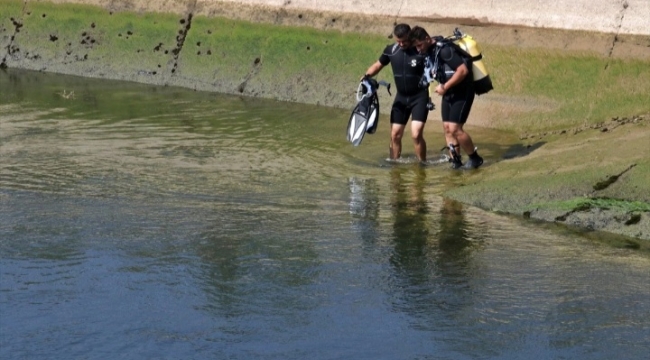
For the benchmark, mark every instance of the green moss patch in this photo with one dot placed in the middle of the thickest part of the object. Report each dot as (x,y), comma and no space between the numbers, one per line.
(300,64)
(583,203)
(85,36)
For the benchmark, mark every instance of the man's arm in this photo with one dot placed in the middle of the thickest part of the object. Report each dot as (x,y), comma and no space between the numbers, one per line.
(457,78)
(375,68)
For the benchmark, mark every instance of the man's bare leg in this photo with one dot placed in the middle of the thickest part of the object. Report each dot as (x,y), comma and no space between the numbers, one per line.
(455,134)
(396,133)
(417,133)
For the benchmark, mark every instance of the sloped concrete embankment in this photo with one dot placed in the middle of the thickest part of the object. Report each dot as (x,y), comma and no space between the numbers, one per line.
(178,43)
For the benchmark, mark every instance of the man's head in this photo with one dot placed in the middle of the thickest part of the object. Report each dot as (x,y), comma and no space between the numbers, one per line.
(401,34)
(420,38)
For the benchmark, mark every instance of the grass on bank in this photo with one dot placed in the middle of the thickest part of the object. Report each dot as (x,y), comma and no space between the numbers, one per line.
(582,88)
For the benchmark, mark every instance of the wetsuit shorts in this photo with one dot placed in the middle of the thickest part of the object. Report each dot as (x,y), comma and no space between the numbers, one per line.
(407,106)
(455,107)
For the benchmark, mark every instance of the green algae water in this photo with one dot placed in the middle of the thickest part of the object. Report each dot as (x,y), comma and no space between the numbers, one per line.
(155,222)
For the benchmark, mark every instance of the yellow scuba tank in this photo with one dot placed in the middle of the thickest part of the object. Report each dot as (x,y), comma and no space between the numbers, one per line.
(482,82)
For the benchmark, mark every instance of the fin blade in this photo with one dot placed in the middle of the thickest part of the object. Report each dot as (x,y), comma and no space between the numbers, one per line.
(356,128)
(373,118)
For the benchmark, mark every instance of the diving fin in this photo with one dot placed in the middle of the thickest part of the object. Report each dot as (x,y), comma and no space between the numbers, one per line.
(365,116)
(358,124)
(373,118)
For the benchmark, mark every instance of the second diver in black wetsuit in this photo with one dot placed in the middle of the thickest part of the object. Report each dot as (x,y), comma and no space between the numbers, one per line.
(411,99)
(456,87)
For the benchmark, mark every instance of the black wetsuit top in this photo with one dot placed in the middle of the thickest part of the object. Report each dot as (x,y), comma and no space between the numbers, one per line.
(449,61)
(457,101)
(408,67)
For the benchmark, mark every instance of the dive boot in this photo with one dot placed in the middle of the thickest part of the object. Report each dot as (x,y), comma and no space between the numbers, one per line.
(455,159)
(475,160)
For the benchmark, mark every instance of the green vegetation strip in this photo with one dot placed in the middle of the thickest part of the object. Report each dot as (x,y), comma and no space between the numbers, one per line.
(584,88)
(584,203)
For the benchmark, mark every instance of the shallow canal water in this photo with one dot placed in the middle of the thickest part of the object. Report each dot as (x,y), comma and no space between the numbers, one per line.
(145,222)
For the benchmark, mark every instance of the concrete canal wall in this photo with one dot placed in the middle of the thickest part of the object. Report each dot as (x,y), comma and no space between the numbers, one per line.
(609,16)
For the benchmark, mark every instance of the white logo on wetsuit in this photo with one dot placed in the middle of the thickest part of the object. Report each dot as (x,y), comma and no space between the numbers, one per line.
(414,63)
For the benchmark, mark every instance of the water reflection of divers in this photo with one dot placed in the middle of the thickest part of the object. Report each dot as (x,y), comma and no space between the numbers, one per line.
(410,227)
(453,235)
(364,207)
(432,255)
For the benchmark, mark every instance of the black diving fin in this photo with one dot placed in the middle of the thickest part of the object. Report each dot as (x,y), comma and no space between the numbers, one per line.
(365,115)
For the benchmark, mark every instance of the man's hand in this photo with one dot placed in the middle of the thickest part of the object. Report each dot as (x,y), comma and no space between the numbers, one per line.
(440,89)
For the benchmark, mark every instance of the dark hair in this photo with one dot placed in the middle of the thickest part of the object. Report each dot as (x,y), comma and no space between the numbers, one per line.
(418,33)
(402,30)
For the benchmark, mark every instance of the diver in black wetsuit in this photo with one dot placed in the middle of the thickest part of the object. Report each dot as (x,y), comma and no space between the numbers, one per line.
(411,99)
(456,86)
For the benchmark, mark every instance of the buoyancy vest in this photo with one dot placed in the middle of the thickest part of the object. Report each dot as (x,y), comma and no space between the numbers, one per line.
(468,49)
